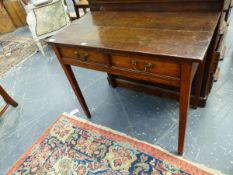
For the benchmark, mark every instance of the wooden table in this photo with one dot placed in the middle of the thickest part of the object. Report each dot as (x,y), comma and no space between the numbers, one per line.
(152,46)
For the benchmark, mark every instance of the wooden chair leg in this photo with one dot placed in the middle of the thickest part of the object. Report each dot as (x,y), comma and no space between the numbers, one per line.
(3,109)
(7,98)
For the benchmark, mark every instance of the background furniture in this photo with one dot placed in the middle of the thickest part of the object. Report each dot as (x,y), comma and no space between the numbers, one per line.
(5,19)
(221,47)
(12,15)
(45,18)
(7,99)
(215,53)
(80,4)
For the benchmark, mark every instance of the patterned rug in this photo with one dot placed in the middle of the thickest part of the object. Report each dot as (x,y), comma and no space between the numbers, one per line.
(14,50)
(75,146)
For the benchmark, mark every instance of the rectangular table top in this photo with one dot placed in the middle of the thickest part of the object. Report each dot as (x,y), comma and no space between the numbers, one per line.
(183,35)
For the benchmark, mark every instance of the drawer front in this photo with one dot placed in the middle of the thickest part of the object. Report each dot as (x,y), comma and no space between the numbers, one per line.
(84,55)
(146,65)
(142,68)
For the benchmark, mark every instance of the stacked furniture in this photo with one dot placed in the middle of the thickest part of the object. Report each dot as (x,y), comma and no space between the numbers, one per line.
(80,4)
(12,15)
(206,72)
(221,47)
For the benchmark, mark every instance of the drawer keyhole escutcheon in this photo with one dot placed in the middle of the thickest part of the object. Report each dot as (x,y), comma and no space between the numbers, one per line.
(146,65)
(81,55)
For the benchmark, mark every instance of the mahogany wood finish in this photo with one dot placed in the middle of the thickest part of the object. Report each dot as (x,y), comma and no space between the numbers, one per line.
(202,85)
(156,5)
(7,98)
(187,70)
(157,47)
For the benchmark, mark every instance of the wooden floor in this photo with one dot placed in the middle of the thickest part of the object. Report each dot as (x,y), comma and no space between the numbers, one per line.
(41,89)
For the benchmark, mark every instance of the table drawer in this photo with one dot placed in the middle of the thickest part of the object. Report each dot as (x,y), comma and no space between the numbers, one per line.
(84,55)
(146,65)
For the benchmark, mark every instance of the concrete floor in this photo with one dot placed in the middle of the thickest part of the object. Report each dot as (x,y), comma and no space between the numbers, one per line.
(43,93)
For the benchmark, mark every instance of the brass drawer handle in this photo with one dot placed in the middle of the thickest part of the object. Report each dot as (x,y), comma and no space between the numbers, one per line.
(81,55)
(134,62)
(146,65)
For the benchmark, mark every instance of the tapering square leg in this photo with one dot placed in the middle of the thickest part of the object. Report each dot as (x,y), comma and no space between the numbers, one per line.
(73,82)
(187,73)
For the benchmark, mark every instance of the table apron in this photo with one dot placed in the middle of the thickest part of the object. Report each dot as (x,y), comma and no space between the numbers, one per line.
(157,78)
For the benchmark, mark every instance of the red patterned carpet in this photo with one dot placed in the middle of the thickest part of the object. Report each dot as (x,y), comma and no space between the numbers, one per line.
(76,146)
